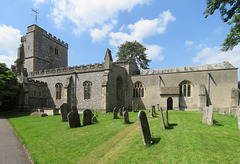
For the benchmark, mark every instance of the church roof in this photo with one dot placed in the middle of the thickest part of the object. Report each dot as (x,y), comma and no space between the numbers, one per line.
(219,66)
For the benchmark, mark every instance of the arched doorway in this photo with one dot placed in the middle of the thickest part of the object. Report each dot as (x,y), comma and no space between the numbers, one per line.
(169,103)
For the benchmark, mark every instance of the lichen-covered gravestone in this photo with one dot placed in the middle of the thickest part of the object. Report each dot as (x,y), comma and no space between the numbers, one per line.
(210,115)
(115,113)
(87,117)
(74,109)
(142,117)
(73,120)
(221,111)
(161,113)
(120,112)
(65,109)
(228,112)
(125,117)
(205,112)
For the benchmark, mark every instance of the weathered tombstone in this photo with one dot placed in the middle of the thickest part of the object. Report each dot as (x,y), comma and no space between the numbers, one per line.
(73,119)
(87,117)
(115,113)
(120,112)
(142,117)
(161,113)
(65,109)
(133,107)
(40,114)
(152,111)
(157,107)
(74,109)
(94,119)
(229,112)
(205,112)
(210,115)
(125,117)
(221,111)
(167,117)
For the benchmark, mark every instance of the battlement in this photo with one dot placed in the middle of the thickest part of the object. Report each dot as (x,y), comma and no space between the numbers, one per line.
(36,82)
(69,70)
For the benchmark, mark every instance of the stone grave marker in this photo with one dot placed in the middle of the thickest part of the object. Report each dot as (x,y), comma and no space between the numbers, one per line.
(74,109)
(40,114)
(65,109)
(161,113)
(210,115)
(229,112)
(123,109)
(125,117)
(73,119)
(237,110)
(120,112)
(142,117)
(87,117)
(94,119)
(115,113)
(157,107)
(221,111)
(152,111)
(238,117)
(205,112)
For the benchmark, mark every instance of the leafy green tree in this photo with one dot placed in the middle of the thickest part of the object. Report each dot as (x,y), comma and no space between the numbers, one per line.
(134,50)
(229,10)
(8,86)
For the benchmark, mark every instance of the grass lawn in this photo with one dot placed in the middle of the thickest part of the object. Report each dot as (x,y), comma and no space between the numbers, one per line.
(186,140)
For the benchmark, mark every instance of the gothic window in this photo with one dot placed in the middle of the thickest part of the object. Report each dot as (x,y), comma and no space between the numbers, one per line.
(56,51)
(138,89)
(185,89)
(119,88)
(87,89)
(58,91)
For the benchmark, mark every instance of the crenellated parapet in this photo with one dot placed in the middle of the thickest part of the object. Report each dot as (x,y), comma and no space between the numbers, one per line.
(55,39)
(69,70)
(36,82)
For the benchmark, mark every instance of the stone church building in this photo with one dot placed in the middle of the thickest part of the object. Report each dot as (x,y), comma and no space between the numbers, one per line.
(47,81)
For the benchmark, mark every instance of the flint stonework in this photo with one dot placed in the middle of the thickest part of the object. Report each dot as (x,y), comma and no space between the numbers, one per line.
(125,117)
(142,117)
(161,113)
(65,109)
(73,120)
(87,117)
(115,113)
(210,115)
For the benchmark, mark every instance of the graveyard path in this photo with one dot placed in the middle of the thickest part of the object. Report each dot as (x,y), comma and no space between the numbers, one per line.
(115,145)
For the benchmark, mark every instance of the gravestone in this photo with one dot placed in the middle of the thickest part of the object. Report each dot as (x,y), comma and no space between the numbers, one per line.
(237,111)
(133,107)
(229,112)
(115,113)
(87,117)
(74,109)
(123,109)
(142,117)
(221,111)
(161,113)
(120,112)
(39,114)
(238,117)
(157,107)
(125,117)
(65,109)
(210,115)
(94,119)
(152,111)
(167,117)
(73,119)
(205,112)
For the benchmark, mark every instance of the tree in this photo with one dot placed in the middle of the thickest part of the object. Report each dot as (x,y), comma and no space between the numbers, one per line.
(8,85)
(229,10)
(134,50)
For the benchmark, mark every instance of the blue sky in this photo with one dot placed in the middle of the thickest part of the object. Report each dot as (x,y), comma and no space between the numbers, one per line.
(174,32)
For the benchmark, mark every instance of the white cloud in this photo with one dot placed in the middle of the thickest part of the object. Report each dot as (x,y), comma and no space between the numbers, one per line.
(154,51)
(9,42)
(211,55)
(142,29)
(37,2)
(189,43)
(87,14)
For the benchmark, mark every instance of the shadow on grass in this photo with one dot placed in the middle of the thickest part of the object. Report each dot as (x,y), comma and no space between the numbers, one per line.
(170,126)
(154,141)
(215,122)
(15,114)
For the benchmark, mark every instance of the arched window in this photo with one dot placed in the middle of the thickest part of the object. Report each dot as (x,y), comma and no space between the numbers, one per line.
(185,89)
(58,87)
(138,89)
(119,88)
(87,89)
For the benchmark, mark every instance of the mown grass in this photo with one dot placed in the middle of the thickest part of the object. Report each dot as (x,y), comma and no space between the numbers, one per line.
(186,140)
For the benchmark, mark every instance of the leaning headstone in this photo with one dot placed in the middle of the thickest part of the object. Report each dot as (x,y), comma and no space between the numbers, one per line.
(167,117)
(65,109)
(115,113)
(125,117)
(87,117)
(161,113)
(94,119)
(142,117)
(205,112)
(210,115)
(229,112)
(73,120)
(133,107)
(120,112)
(152,111)
(74,109)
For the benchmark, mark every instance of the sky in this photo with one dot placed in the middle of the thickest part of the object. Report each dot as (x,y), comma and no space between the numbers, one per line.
(175,32)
